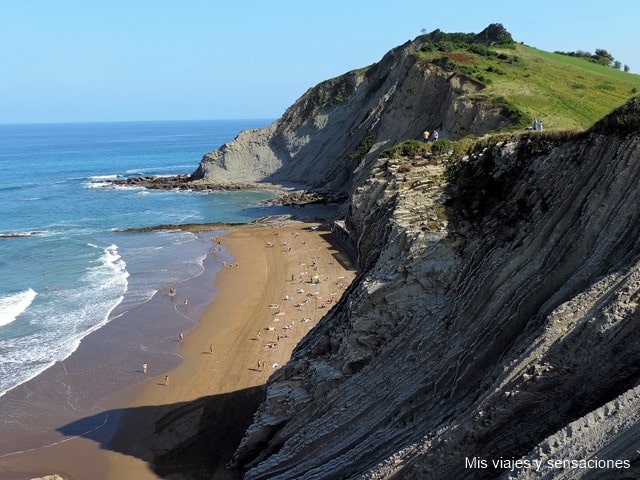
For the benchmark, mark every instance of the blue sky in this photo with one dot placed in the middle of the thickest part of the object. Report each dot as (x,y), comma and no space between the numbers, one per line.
(81,61)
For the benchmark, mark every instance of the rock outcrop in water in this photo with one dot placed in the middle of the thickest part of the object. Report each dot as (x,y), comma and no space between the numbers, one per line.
(496,317)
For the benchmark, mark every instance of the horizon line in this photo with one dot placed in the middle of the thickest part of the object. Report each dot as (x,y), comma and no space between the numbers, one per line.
(76,122)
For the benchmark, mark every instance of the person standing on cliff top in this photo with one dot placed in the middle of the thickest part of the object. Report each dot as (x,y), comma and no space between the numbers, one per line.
(425,136)
(435,135)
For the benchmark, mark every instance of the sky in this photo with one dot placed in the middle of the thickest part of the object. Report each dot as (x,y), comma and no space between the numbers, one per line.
(127,60)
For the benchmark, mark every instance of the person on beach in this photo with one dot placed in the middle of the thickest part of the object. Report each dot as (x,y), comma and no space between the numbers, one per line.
(211,349)
(144,368)
(166,380)
(181,337)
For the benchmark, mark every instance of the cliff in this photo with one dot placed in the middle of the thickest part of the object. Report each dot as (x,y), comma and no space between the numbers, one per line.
(495,312)
(344,123)
(494,318)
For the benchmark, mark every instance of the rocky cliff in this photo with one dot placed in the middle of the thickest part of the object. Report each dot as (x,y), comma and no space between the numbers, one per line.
(492,331)
(344,123)
(495,318)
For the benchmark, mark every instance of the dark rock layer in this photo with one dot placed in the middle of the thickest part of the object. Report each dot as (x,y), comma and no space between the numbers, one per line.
(490,336)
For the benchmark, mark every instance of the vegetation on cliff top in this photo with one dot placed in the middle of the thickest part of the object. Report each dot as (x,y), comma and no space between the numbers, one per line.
(566,92)
(569,93)
(477,183)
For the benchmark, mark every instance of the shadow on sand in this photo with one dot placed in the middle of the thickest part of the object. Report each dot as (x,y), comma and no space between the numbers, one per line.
(195,439)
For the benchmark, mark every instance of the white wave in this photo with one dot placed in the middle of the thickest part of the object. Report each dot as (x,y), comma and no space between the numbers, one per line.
(64,320)
(103,177)
(153,248)
(92,184)
(24,234)
(111,186)
(152,170)
(111,269)
(13,305)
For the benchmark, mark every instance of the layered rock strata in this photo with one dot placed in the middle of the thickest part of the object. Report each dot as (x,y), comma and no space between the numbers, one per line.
(495,317)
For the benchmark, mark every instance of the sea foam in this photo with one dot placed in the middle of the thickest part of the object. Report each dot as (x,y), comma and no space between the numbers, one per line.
(60,322)
(13,305)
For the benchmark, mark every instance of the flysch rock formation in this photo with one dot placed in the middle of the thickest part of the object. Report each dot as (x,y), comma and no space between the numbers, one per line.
(495,320)
(344,123)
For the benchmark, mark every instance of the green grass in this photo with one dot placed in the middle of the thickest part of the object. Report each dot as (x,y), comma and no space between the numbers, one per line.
(567,93)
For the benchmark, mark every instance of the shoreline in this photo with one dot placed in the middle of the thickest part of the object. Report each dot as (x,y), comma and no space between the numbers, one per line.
(204,384)
(79,397)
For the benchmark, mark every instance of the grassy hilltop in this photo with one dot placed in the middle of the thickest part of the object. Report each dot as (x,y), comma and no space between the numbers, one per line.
(567,93)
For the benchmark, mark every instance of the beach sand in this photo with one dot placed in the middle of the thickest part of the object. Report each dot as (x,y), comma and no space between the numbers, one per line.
(220,388)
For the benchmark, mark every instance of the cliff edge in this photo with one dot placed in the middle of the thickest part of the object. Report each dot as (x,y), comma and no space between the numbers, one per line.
(495,319)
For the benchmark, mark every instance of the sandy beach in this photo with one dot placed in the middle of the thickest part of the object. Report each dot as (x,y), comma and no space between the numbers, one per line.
(265,303)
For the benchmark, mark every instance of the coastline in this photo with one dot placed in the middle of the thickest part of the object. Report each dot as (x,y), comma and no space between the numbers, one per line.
(50,415)
(224,386)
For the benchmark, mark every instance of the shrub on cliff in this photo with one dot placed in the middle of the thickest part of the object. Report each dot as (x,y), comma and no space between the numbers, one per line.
(410,148)
(441,146)
(364,147)
(476,184)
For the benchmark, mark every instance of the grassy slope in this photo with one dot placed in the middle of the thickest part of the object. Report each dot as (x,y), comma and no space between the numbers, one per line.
(565,92)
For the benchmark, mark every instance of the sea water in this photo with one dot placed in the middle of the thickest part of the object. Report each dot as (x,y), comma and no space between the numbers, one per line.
(65,268)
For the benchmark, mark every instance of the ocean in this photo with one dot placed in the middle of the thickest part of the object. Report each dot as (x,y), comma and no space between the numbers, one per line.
(66,270)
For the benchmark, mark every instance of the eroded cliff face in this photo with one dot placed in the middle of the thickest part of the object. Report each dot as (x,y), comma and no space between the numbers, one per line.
(329,139)
(496,316)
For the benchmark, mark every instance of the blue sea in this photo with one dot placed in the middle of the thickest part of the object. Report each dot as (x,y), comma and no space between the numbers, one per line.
(65,269)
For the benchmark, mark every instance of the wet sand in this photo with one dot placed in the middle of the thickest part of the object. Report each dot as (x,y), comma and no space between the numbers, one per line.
(220,387)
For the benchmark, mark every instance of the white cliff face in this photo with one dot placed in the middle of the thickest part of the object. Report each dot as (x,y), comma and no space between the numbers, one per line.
(318,141)
(247,159)
(496,317)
